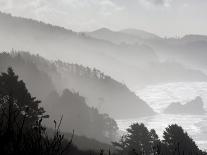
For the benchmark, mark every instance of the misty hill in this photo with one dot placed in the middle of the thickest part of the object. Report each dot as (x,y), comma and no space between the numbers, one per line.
(116,37)
(38,82)
(78,116)
(189,50)
(126,63)
(100,91)
(126,36)
(58,43)
(140,33)
(194,107)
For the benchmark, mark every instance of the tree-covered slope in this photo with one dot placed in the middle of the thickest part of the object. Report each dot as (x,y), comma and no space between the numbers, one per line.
(100,91)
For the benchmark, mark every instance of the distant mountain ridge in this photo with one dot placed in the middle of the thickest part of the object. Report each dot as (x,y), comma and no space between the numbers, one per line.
(140,33)
(126,36)
(129,63)
(75,47)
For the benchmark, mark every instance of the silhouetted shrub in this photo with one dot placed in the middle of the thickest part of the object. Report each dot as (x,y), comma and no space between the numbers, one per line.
(21,130)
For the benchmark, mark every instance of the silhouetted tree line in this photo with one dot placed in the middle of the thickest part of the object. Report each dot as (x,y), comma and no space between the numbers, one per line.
(140,141)
(21,129)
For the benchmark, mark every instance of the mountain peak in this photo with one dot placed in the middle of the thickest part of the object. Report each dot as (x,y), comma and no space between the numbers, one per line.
(103,29)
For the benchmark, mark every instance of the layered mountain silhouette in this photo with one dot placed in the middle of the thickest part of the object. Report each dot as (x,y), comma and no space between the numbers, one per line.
(194,107)
(126,36)
(189,50)
(140,33)
(100,91)
(118,54)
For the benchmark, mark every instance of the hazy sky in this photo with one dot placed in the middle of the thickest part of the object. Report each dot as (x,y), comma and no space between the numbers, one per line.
(163,17)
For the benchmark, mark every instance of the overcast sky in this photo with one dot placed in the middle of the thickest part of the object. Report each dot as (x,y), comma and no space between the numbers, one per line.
(163,17)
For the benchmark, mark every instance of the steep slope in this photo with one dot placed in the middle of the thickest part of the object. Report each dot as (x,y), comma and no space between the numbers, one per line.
(101,91)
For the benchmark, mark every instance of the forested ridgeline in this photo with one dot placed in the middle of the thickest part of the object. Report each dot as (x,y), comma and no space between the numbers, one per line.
(105,93)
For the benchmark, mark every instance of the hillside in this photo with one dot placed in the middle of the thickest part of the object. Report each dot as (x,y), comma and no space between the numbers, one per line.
(116,37)
(126,36)
(189,50)
(126,63)
(100,91)
(49,41)
(144,35)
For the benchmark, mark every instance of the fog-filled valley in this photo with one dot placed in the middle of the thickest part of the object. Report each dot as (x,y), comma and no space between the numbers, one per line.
(90,92)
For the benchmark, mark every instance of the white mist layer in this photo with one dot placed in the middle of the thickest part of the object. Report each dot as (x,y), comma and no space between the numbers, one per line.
(160,96)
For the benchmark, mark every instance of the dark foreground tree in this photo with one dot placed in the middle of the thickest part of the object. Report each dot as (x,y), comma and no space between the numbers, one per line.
(178,142)
(21,130)
(139,140)
(17,104)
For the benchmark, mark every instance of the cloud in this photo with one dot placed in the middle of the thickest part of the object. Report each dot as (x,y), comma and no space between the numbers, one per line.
(63,12)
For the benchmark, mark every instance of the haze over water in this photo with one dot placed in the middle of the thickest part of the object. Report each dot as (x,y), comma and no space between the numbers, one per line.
(160,96)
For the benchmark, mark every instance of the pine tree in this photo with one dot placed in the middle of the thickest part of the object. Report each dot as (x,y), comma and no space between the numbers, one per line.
(16,103)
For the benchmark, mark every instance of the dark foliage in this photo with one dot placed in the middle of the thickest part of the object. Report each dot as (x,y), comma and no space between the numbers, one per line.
(40,75)
(178,142)
(21,129)
(16,102)
(78,116)
(38,82)
(140,141)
